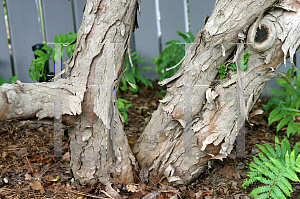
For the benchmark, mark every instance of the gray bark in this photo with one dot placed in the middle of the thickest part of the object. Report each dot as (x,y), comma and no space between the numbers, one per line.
(193,125)
(196,121)
(103,22)
(87,95)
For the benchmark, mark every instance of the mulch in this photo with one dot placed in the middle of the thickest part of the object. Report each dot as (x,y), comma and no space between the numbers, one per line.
(28,168)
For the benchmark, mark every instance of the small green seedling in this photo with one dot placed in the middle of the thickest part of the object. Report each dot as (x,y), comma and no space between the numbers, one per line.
(223,69)
(123,108)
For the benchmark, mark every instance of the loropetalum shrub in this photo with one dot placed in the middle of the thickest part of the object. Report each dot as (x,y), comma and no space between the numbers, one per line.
(286,106)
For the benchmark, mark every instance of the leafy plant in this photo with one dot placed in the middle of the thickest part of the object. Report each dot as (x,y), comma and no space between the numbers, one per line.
(160,92)
(38,64)
(288,104)
(37,69)
(223,68)
(171,56)
(66,39)
(274,169)
(133,73)
(123,108)
(11,80)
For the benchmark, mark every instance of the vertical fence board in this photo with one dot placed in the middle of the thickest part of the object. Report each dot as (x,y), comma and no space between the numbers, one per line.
(26,31)
(198,11)
(5,65)
(146,40)
(172,19)
(58,18)
(78,10)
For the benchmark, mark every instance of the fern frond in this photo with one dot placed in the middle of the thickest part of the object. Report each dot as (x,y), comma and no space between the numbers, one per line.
(274,169)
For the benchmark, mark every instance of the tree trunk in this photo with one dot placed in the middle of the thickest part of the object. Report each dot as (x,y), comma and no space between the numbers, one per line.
(88,96)
(196,121)
(103,22)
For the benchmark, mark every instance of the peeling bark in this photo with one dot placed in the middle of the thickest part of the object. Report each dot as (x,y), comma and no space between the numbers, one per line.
(196,121)
(103,22)
(87,95)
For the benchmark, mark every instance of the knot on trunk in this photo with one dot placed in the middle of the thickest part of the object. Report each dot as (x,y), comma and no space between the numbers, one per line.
(262,36)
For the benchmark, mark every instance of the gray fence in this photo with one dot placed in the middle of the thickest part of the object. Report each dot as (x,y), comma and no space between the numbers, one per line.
(158,23)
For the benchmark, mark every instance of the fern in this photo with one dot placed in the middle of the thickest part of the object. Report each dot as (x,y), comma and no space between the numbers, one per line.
(288,104)
(274,168)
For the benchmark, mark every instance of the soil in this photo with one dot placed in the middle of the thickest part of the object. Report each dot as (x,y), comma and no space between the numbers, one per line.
(28,168)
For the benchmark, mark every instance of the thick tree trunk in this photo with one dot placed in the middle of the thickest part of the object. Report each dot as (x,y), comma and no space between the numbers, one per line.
(88,96)
(103,22)
(196,121)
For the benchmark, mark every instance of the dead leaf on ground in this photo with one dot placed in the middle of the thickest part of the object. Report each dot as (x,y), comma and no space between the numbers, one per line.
(27,176)
(36,185)
(66,156)
(256,112)
(132,188)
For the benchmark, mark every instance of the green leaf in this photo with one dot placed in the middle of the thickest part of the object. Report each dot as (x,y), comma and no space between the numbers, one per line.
(134,89)
(130,77)
(124,113)
(139,61)
(297,106)
(277,91)
(186,38)
(47,48)
(172,42)
(283,122)
(2,81)
(234,66)
(39,53)
(73,47)
(69,49)
(282,82)
(133,54)
(296,98)
(122,100)
(247,54)
(13,79)
(192,37)
(292,128)
(273,114)
(277,117)
(127,106)
(58,39)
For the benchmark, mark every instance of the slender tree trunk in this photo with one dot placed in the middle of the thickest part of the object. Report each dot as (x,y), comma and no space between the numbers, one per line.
(196,121)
